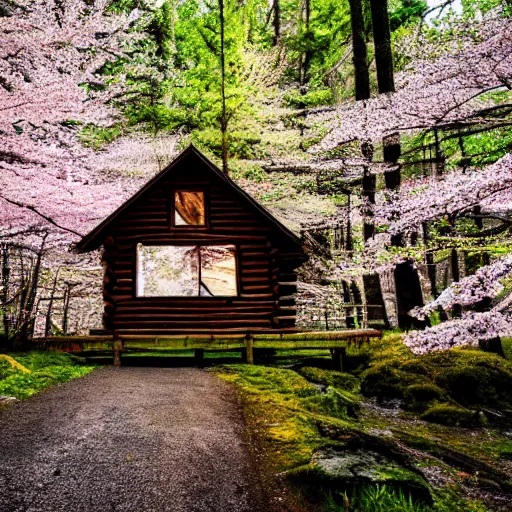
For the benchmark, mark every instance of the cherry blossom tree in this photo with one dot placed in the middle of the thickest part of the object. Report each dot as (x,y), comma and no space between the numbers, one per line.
(51,54)
(449,87)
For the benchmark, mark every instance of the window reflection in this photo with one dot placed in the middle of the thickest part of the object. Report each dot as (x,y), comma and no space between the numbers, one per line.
(218,270)
(186,271)
(167,271)
(189,209)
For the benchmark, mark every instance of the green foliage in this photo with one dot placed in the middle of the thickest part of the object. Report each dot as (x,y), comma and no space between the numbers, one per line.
(48,368)
(481,148)
(408,12)
(241,144)
(97,137)
(375,498)
(313,98)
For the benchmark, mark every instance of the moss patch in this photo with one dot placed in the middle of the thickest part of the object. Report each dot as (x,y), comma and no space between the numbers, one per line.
(44,370)
(448,414)
(466,377)
(297,420)
(338,380)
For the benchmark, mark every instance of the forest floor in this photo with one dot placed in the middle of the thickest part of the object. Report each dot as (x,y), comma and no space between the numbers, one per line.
(129,439)
(396,433)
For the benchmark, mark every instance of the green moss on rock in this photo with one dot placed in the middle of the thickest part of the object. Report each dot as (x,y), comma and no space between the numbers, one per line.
(452,415)
(386,380)
(351,469)
(332,378)
(475,378)
(419,396)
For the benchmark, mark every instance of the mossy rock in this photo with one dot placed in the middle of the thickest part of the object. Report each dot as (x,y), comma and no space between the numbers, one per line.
(476,378)
(352,469)
(419,396)
(416,367)
(451,415)
(386,380)
(333,402)
(332,378)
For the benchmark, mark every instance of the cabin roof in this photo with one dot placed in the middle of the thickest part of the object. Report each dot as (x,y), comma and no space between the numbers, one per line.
(95,238)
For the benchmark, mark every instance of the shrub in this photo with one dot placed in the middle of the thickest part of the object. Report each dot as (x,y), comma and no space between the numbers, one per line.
(311,99)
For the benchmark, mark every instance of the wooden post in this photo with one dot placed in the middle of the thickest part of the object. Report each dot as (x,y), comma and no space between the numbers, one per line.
(199,356)
(118,348)
(249,345)
(338,358)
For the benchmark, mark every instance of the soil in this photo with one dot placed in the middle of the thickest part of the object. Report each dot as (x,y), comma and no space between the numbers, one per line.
(129,439)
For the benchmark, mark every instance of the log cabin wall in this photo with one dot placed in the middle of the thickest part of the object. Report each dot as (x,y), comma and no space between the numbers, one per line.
(265,262)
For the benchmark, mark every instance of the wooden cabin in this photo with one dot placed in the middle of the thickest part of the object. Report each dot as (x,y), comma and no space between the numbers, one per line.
(191,253)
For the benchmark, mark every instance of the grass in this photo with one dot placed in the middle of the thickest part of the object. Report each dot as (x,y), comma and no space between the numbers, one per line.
(295,412)
(374,498)
(26,373)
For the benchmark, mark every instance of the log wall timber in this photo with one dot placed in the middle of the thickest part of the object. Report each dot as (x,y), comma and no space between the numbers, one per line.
(266,261)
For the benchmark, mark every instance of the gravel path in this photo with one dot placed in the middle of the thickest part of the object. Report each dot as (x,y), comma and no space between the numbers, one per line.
(128,439)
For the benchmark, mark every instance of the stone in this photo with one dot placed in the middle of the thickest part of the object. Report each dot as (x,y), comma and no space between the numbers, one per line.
(5,400)
(352,468)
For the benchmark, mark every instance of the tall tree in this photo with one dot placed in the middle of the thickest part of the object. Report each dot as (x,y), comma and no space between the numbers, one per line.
(360,59)
(223,115)
(276,22)
(383,52)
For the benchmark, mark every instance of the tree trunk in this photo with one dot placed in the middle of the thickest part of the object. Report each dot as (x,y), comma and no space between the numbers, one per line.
(374,297)
(382,39)
(454,266)
(27,329)
(224,118)
(439,157)
(348,238)
(369,181)
(432,272)
(4,292)
(349,318)
(362,77)
(48,322)
(408,290)
(276,22)
(65,312)
(308,53)
(492,345)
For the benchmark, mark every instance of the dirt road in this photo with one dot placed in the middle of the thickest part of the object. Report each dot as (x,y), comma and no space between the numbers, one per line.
(128,439)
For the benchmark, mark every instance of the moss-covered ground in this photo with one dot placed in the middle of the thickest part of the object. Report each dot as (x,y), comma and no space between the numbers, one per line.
(25,373)
(438,427)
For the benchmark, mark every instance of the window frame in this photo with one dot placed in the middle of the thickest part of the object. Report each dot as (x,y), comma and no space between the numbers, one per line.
(198,245)
(172,209)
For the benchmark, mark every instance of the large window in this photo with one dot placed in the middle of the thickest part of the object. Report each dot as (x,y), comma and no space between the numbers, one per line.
(189,208)
(186,271)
